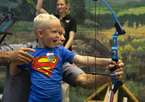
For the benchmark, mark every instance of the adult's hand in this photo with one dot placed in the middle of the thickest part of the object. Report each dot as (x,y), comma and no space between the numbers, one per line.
(20,55)
(118,72)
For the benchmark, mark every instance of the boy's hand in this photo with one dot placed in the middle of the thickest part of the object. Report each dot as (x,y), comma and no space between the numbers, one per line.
(20,55)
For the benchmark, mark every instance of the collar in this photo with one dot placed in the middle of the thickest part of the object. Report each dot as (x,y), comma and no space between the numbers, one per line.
(67,16)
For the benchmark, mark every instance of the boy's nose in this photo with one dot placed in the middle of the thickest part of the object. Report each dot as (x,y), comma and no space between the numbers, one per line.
(57,35)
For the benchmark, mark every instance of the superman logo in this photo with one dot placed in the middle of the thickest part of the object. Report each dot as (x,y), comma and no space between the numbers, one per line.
(43,65)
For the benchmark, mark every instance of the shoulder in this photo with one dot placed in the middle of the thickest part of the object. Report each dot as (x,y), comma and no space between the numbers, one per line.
(70,17)
(56,15)
(58,47)
(32,53)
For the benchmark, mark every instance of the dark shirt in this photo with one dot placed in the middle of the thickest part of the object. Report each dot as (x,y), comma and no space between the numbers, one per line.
(70,25)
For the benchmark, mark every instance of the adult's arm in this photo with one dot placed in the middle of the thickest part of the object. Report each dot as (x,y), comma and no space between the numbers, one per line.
(70,73)
(74,76)
(72,31)
(8,53)
(5,51)
(70,40)
(89,81)
(39,7)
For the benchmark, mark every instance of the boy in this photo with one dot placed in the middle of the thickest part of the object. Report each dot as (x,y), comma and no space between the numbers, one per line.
(46,66)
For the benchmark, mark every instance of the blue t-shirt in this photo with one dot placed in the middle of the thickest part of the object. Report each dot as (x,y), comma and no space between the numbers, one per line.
(46,75)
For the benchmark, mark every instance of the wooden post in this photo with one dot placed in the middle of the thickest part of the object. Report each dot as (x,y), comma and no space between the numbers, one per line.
(129,93)
(98,91)
(115,99)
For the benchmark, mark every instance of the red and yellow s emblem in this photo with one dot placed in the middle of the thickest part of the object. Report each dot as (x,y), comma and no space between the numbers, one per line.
(43,65)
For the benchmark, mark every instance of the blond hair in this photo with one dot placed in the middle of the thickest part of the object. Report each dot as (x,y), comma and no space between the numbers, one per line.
(42,21)
(67,10)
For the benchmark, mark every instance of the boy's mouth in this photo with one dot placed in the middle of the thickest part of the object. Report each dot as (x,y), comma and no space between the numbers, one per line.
(54,41)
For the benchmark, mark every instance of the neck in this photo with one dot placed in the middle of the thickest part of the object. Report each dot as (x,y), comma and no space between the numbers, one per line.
(61,15)
(40,44)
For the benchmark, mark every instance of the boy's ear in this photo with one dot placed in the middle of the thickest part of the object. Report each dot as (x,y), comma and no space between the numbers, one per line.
(40,33)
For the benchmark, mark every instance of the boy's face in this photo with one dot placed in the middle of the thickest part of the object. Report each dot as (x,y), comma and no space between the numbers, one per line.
(61,38)
(51,35)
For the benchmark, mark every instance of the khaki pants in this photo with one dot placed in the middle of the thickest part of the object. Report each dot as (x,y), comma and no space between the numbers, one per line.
(65,91)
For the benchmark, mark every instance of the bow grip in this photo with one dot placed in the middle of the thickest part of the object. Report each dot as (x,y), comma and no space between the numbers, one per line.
(114,68)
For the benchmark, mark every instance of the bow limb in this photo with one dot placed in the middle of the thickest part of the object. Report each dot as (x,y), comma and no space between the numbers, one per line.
(117,23)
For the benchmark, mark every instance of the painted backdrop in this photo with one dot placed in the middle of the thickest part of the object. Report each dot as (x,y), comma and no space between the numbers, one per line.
(95,27)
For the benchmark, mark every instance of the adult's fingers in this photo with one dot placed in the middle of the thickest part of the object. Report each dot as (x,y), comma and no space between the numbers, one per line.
(28,49)
(21,61)
(110,66)
(121,64)
(21,55)
(25,55)
(118,71)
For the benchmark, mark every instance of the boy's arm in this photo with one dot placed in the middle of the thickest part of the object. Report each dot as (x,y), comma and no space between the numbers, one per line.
(39,7)
(13,70)
(92,61)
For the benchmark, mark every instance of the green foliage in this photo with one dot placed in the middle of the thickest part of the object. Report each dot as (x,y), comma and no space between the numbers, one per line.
(80,35)
(20,26)
(22,33)
(1,85)
(126,24)
(79,94)
(79,6)
(134,87)
(128,47)
(16,39)
(123,12)
(133,54)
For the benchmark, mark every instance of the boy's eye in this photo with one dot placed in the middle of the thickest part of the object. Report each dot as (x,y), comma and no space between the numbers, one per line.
(54,31)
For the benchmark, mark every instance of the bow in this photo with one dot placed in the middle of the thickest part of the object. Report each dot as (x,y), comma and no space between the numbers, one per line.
(114,53)
(6,18)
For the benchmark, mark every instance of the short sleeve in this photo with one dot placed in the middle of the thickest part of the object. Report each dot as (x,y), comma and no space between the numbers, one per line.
(70,73)
(11,47)
(73,25)
(67,55)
